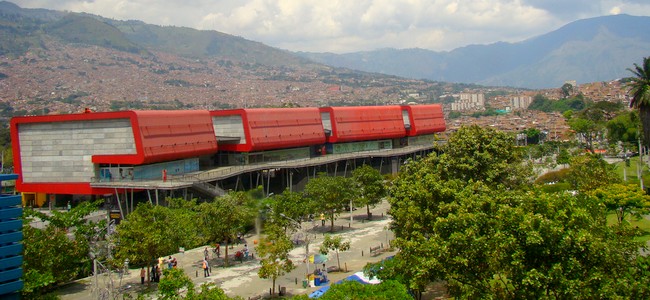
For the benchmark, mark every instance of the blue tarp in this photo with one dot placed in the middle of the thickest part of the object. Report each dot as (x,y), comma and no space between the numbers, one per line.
(319,292)
(359,277)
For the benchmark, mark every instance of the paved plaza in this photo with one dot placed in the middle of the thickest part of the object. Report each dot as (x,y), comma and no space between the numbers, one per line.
(241,279)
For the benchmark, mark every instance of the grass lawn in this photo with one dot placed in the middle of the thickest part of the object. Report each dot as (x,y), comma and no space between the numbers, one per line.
(631,171)
(643,224)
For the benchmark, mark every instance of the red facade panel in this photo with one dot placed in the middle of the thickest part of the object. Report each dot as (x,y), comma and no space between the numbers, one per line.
(363,123)
(425,119)
(167,135)
(158,136)
(276,128)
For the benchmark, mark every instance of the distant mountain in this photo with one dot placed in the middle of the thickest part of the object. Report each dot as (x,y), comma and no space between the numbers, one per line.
(62,62)
(22,28)
(597,49)
(589,50)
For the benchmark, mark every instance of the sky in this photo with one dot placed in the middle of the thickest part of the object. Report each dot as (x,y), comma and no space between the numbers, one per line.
(343,26)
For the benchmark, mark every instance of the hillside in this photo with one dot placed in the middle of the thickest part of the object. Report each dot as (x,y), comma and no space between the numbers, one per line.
(57,62)
(24,28)
(590,50)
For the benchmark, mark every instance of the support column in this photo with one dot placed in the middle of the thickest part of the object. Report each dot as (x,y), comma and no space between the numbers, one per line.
(291,181)
(131,200)
(394,165)
(126,202)
(119,204)
(268,182)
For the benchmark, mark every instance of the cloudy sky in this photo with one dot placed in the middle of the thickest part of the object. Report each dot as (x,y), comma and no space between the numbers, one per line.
(341,26)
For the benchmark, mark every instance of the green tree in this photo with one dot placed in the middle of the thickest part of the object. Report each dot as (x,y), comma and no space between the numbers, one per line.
(492,243)
(474,153)
(222,219)
(640,90)
(273,250)
(330,194)
(564,157)
(209,291)
(387,290)
(50,255)
(586,128)
(567,90)
(336,244)
(404,268)
(623,199)
(172,284)
(148,233)
(588,172)
(487,239)
(371,186)
(285,208)
(454,115)
(624,129)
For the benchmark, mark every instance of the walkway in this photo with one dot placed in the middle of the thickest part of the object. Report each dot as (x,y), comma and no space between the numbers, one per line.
(241,279)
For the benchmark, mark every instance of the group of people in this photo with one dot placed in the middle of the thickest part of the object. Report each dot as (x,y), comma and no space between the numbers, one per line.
(322,273)
(156,269)
(154,274)
(242,254)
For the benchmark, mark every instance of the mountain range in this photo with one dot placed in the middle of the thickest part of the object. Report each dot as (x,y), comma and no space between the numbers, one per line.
(589,50)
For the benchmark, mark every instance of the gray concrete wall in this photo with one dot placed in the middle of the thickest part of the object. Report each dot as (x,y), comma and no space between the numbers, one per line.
(230,126)
(62,151)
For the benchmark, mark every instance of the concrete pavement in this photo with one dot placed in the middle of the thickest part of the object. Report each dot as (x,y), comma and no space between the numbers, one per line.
(241,279)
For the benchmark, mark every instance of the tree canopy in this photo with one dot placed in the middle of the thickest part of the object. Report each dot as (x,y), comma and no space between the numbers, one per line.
(624,128)
(371,186)
(330,194)
(469,220)
(225,217)
(544,104)
(51,257)
(273,251)
(148,234)
(478,153)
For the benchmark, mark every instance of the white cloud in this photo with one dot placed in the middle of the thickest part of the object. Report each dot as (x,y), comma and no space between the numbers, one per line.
(345,26)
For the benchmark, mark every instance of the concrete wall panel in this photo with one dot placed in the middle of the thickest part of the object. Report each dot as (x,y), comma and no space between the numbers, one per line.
(62,151)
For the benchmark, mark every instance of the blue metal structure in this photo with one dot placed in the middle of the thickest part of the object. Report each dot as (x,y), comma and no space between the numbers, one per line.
(11,236)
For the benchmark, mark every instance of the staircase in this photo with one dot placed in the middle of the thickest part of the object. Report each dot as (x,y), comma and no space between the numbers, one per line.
(208,189)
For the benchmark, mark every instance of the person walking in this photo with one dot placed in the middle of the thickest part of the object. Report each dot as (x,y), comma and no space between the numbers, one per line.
(206,268)
(322,219)
(205,253)
(143,273)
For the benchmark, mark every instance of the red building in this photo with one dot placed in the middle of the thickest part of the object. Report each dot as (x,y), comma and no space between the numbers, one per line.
(117,152)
